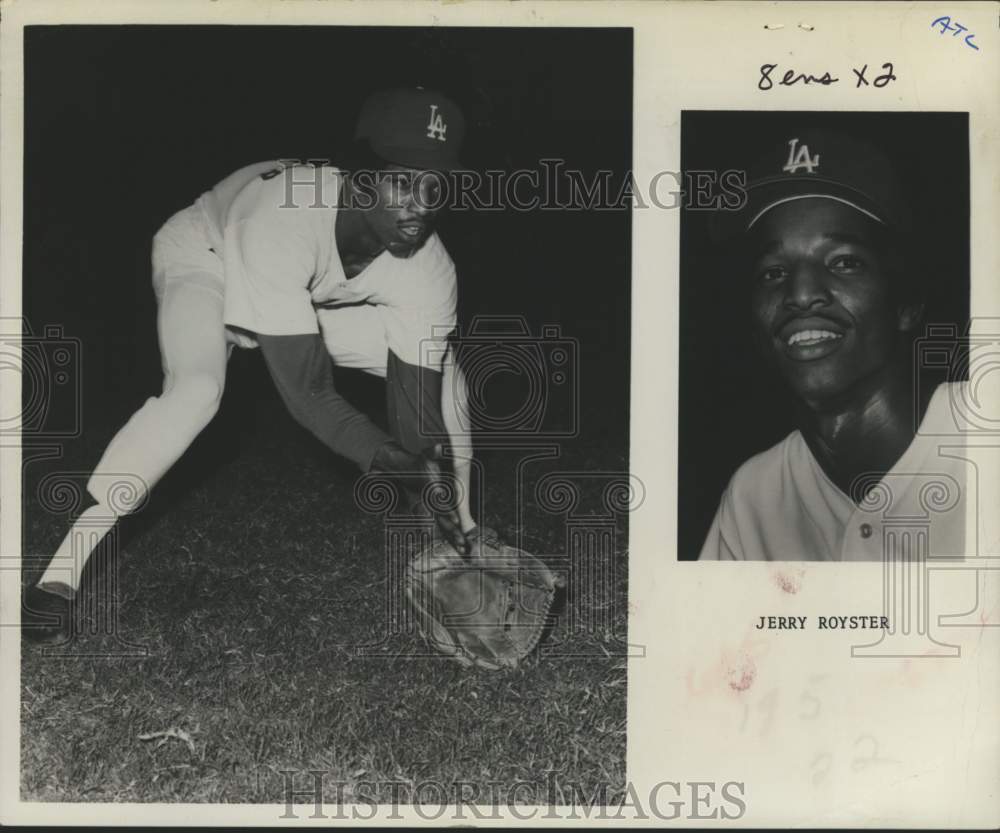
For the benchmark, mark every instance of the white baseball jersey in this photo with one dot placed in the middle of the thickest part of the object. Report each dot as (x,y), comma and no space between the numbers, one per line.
(274,227)
(781,506)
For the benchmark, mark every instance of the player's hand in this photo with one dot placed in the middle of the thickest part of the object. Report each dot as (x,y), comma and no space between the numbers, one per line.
(424,481)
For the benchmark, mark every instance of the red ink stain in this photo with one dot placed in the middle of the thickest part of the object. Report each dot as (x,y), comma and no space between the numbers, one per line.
(742,676)
(691,687)
(789,582)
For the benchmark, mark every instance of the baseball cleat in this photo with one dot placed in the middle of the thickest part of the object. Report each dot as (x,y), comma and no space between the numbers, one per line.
(46,613)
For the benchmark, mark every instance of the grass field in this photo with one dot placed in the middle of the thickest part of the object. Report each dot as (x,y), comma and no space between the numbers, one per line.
(251,580)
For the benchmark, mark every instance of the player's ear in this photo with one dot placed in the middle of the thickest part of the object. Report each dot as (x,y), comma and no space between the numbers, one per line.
(908,277)
(908,315)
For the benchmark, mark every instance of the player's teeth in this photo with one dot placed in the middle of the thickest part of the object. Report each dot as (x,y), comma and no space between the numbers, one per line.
(811,336)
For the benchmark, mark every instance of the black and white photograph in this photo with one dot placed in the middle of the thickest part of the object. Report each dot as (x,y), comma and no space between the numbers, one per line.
(325,368)
(499,414)
(824,318)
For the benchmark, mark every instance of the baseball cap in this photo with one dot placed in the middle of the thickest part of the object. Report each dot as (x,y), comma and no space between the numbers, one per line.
(823,164)
(414,127)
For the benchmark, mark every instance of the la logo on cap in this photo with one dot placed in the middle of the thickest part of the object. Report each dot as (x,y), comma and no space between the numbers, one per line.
(798,157)
(436,127)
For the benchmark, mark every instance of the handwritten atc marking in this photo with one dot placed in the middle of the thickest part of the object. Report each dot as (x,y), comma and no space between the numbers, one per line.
(790,78)
(945,24)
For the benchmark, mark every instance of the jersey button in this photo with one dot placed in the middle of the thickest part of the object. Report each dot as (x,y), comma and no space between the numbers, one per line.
(866,530)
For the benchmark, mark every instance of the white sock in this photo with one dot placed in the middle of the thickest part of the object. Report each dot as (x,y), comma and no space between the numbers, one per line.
(76,548)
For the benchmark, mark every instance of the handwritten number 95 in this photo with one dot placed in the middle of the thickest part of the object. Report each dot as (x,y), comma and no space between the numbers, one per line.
(945,24)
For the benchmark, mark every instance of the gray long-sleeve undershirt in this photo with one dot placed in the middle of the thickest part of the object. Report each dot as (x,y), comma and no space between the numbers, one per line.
(303,373)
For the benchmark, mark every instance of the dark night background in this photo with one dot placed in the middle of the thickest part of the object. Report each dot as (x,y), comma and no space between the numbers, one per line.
(730,407)
(125,125)
(258,587)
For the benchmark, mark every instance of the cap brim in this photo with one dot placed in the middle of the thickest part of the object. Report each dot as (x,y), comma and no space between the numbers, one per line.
(764,195)
(417,159)
(768,194)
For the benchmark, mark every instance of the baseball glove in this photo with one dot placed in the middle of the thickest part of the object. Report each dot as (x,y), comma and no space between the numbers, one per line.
(487,609)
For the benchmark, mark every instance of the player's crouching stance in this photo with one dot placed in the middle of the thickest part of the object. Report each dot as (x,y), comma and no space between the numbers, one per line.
(306,263)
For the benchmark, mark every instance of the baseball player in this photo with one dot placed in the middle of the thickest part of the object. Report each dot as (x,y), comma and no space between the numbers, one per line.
(828,250)
(305,263)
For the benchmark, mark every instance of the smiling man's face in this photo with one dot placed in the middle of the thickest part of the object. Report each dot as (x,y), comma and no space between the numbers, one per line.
(823,306)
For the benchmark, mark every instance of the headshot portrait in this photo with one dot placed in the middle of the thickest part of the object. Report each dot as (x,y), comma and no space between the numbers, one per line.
(815,306)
